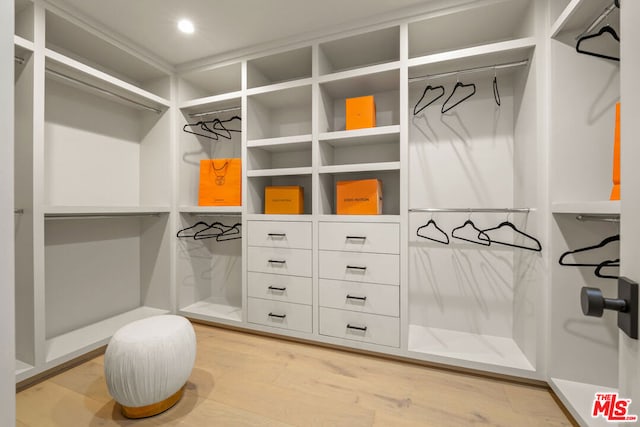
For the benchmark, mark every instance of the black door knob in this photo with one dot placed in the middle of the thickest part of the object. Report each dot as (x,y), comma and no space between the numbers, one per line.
(594,304)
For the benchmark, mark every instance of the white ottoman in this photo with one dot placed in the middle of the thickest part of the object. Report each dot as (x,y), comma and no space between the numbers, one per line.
(148,362)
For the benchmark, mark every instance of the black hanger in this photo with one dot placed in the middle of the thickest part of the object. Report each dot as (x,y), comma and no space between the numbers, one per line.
(427,89)
(604,264)
(617,3)
(456,87)
(181,234)
(216,128)
(606,29)
(496,94)
(198,125)
(432,222)
(206,233)
(484,242)
(537,248)
(605,242)
(231,233)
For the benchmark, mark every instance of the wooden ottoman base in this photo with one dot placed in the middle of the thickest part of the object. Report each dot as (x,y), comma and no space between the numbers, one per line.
(154,408)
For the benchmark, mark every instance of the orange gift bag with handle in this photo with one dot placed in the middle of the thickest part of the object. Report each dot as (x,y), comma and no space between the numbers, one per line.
(220,182)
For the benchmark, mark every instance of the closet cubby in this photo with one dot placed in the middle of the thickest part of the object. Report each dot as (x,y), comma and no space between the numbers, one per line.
(390,188)
(372,148)
(195,145)
(578,15)
(209,272)
(256,186)
(100,274)
(280,113)
(23,23)
(279,67)
(383,85)
(371,48)
(89,47)
(279,158)
(197,84)
(482,23)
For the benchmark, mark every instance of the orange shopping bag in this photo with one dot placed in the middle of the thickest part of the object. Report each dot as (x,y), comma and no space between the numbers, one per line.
(220,182)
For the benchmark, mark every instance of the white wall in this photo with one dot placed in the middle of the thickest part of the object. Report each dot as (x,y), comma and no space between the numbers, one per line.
(7,335)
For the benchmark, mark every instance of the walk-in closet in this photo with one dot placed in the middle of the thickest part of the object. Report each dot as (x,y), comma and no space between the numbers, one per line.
(498,132)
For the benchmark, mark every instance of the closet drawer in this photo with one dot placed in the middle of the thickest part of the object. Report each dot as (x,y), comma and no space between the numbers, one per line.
(360,267)
(280,234)
(362,297)
(280,287)
(294,262)
(380,238)
(285,315)
(371,328)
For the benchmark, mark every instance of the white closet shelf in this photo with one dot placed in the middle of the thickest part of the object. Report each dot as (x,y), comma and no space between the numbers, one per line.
(223,210)
(276,217)
(286,143)
(75,343)
(22,44)
(362,84)
(76,70)
(360,218)
(604,207)
(212,103)
(280,86)
(477,348)
(53,211)
(361,167)
(22,367)
(473,57)
(577,16)
(211,309)
(367,136)
(578,399)
(360,72)
(279,172)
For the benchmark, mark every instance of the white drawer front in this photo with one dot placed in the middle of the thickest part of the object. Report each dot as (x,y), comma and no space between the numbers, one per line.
(294,262)
(280,287)
(360,267)
(362,297)
(380,238)
(364,327)
(280,234)
(279,314)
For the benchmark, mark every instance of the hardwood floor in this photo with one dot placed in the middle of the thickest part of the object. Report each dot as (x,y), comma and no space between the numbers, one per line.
(242,379)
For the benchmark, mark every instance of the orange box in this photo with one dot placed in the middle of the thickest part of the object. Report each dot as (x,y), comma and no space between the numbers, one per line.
(360,112)
(362,197)
(284,200)
(220,182)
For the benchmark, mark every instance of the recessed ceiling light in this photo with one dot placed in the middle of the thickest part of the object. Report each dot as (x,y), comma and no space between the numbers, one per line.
(186,26)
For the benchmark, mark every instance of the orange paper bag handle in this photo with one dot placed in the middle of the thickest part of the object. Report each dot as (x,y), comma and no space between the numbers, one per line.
(615,191)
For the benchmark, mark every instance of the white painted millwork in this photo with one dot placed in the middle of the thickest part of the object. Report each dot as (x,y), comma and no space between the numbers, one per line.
(363,327)
(360,237)
(282,315)
(278,234)
(360,297)
(280,287)
(360,267)
(294,262)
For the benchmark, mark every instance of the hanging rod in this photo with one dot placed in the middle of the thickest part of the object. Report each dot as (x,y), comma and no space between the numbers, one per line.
(101,90)
(18,211)
(207,113)
(601,218)
(471,70)
(18,59)
(469,210)
(598,20)
(100,215)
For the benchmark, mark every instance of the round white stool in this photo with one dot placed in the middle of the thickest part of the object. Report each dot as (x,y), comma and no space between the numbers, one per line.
(148,362)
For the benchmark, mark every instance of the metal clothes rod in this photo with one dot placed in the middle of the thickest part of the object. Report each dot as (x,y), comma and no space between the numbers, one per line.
(101,90)
(470,70)
(598,20)
(99,216)
(601,218)
(18,59)
(207,113)
(469,210)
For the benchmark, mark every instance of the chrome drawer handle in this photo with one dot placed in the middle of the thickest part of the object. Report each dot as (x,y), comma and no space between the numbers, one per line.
(356,298)
(278,235)
(276,261)
(275,288)
(356,237)
(357,328)
(278,316)
(356,267)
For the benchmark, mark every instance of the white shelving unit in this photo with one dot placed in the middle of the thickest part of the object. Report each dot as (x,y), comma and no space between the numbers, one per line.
(578,399)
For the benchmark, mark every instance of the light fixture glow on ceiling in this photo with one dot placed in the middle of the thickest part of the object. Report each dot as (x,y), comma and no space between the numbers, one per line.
(186,26)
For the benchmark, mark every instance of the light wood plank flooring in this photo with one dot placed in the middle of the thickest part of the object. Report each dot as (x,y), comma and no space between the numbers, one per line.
(242,379)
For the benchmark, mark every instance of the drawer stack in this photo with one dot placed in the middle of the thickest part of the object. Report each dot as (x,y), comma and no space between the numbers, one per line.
(359,295)
(279,274)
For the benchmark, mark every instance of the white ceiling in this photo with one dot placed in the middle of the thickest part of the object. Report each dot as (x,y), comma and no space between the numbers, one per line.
(228,25)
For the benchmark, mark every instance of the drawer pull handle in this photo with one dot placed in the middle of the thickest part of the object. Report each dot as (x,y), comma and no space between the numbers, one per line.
(278,316)
(278,235)
(357,328)
(356,267)
(356,298)
(356,237)
(276,261)
(277,289)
